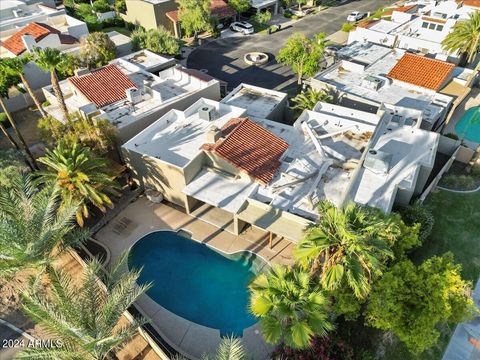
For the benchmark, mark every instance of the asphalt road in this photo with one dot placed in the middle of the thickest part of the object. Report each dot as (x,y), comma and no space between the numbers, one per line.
(223,58)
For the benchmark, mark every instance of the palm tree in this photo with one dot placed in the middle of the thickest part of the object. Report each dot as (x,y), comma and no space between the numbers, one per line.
(86,315)
(291,306)
(229,349)
(308,99)
(15,67)
(34,226)
(465,37)
(6,81)
(80,176)
(51,60)
(348,244)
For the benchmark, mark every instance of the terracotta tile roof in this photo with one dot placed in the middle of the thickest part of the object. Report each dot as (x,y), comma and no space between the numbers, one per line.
(472,3)
(221,9)
(421,71)
(103,86)
(250,148)
(367,23)
(218,8)
(400,9)
(435,20)
(15,43)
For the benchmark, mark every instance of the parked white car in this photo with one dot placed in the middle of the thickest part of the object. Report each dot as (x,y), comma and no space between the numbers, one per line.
(242,26)
(356,16)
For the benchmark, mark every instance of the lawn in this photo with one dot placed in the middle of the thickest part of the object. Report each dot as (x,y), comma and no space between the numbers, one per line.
(119,29)
(456,229)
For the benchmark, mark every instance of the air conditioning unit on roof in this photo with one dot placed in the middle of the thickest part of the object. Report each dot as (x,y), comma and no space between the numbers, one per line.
(206,112)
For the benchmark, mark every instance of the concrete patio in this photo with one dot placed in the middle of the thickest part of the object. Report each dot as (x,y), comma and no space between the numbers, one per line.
(142,217)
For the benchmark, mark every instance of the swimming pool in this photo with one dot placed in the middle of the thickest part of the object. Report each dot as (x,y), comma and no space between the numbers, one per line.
(195,282)
(468,127)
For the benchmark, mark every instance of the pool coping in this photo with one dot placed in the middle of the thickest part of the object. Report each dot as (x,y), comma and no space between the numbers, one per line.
(180,321)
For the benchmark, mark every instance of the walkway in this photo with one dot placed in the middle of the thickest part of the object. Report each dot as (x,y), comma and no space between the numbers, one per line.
(142,217)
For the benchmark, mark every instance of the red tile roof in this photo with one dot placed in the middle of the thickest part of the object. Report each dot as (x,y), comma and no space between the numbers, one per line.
(103,86)
(249,147)
(218,8)
(400,9)
(367,23)
(472,3)
(421,71)
(15,44)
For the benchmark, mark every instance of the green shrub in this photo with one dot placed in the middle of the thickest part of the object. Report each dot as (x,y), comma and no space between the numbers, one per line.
(452,136)
(101,6)
(347,27)
(12,164)
(458,182)
(263,17)
(3,118)
(418,214)
(120,6)
(295,17)
(287,14)
(157,40)
(46,103)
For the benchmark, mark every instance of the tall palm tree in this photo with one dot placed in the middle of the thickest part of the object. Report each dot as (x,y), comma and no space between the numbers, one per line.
(86,314)
(6,81)
(349,244)
(51,60)
(465,37)
(308,99)
(34,226)
(291,306)
(15,67)
(80,176)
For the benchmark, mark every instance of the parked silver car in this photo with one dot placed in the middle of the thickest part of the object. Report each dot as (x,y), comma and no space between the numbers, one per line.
(242,26)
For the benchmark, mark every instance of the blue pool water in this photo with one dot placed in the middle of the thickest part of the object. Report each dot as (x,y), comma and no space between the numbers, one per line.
(195,282)
(469,125)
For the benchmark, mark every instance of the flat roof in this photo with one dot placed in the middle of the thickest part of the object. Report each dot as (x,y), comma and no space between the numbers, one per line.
(148,60)
(409,148)
(177,136)
(350,80)
(258,102)
(365,53)
(384,26)
(170,84)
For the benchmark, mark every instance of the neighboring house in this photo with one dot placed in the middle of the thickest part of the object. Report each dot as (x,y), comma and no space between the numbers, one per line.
(129,96)
(18,13)
(149,13)
(57,31)
(416,27)
(257,172)
(265,5)
(219,8)
(36,35)
(369,75)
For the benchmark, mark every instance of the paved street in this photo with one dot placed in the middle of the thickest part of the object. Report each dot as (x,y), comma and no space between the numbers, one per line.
(223,58)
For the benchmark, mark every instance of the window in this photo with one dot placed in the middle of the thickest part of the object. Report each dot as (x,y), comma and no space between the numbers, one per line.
(424,25)
(439,27)
(431,26)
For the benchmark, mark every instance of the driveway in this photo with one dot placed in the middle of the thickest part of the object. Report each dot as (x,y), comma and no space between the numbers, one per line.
(223,58)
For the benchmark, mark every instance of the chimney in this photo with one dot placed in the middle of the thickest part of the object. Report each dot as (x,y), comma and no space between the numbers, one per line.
(29,42)
(213,135)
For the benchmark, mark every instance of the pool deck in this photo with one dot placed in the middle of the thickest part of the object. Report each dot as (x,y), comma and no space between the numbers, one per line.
(471,101)
(193,340)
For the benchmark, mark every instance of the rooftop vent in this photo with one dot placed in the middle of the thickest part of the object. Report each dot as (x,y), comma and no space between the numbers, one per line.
(17,13)
(134,95)
(206,112)
(372,82)
(378,161)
